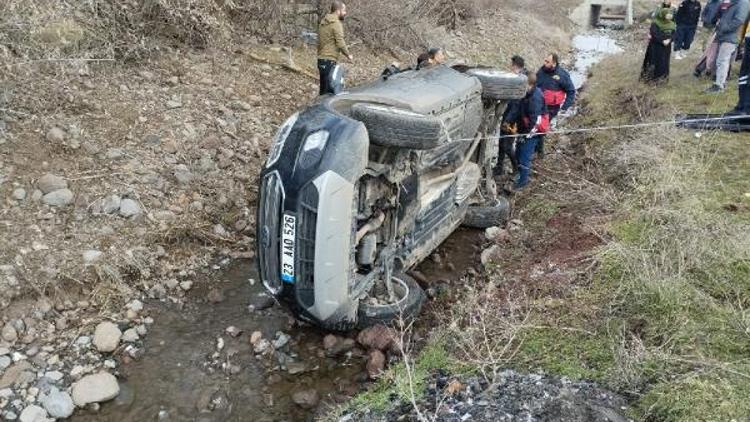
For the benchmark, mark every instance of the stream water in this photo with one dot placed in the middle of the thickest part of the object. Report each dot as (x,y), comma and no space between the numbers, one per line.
(590,48)
(178,379)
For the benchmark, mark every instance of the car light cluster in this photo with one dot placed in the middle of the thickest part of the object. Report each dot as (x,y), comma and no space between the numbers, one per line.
(280,139)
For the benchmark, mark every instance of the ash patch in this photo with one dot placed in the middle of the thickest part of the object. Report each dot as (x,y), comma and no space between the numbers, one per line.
(512,397)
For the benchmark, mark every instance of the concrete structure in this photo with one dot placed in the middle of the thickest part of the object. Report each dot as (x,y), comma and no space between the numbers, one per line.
(597,12)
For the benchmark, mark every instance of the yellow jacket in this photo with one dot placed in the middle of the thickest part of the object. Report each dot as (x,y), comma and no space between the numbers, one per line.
(331,42)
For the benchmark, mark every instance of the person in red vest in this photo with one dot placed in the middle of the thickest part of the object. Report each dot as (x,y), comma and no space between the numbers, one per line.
(557,88)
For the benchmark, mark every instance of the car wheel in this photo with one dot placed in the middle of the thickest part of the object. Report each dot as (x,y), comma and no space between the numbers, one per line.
(411,297)
(498,85)
(391,126)
(482,217)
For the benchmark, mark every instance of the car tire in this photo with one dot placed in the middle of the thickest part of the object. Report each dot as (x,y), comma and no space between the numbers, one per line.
(407,308)
(498,85)
(395,127)
(483,217)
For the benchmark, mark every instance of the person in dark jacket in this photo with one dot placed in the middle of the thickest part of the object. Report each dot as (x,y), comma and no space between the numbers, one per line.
(743,83)
(728,34)
(533,113)
(686,18)
(656,63)
(557,88)
(510,123)
(331,45)
(710,14)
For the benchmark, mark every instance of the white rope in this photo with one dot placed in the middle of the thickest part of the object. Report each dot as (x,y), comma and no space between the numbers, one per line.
(617,127)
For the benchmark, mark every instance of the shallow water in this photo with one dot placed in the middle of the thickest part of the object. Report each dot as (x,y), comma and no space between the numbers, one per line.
(590,48)
(173,376)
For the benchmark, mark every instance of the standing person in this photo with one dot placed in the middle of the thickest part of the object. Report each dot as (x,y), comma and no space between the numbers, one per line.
(743,104)
(686,18)
(656,63)
(331,45)
(710,14)
(534,122)
(510,123)
(557,88)
(730,23)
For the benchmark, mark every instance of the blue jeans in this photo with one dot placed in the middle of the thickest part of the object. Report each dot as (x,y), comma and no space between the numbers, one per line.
(524,153)
(684,37)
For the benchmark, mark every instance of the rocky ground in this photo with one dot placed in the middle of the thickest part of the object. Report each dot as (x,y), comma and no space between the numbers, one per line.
(121,181)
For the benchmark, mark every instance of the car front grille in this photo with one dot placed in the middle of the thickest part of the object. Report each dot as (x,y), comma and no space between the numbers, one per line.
(271,202)
(308,219)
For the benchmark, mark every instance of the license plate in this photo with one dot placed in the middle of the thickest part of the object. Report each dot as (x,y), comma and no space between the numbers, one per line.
(288,238)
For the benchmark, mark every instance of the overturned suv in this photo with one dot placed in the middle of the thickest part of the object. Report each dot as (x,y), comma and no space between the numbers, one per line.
(362,186)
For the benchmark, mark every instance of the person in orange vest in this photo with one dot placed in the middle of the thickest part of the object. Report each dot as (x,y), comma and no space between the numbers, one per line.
(557,88)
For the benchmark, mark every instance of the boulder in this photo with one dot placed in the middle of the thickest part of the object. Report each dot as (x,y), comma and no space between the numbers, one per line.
(58,403)
(58,198)
(50,183)
(378,337)
(34,413)
(107,337)
(306,399)
(375,363)
(95,388)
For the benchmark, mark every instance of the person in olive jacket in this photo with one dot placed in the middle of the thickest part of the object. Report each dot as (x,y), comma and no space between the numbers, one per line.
(331,45)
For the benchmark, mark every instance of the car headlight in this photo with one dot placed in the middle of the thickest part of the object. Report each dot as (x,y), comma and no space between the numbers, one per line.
(312,150)
(280,138)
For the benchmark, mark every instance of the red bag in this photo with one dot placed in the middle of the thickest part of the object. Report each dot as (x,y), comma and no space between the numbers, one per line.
(542,127)
(553,98)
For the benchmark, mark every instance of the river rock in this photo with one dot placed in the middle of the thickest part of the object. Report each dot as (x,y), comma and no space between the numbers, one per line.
(19,194)
(58,403)
(91,256)
(95,388)
(255,337)
(107,337)
(58,198)
(375,363)
(130,336)
(5,362)
(377,337)
(260,302)
(281,340)
(233,331)
(34,413)
(130,208)
(9,333)
(50,183)
(111,204)
(306,399)
(337,346)
(13,374)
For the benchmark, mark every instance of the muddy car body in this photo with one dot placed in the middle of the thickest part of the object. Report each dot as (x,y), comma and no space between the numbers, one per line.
(362,186)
